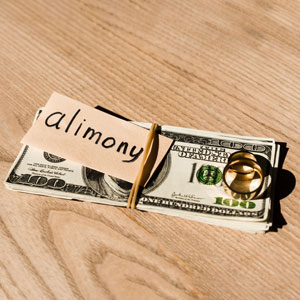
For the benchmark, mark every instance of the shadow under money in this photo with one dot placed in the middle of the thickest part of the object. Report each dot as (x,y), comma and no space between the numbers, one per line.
(285,184)
(111,113)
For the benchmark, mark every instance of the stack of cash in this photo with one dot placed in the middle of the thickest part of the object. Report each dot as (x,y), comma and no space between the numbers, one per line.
(188,184)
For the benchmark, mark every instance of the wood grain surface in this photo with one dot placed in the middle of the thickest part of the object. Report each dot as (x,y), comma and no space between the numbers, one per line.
(226,66)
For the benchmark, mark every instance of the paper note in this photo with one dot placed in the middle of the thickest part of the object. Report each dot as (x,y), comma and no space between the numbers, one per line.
(78,132)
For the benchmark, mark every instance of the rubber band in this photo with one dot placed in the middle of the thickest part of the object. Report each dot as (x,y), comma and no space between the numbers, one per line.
(131,203)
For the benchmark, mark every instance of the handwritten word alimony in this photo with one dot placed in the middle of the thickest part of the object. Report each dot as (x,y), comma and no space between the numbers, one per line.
(92,134)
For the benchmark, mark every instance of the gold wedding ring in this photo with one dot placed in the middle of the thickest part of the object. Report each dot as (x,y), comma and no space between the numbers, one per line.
(242,176)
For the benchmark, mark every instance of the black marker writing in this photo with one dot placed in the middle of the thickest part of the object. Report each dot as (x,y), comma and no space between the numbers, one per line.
(54,120)
(56,124)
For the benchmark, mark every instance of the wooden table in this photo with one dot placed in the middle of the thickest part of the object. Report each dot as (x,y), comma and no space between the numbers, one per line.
(226,66)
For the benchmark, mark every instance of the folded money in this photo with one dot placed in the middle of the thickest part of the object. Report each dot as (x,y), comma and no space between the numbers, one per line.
(188,184)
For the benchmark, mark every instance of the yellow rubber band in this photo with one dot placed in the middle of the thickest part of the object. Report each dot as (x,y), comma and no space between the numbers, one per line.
(131,203)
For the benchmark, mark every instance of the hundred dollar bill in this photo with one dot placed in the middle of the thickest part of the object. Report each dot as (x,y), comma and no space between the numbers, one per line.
(188,184)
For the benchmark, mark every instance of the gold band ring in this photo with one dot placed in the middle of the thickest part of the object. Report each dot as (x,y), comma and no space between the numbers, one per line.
(242,176)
